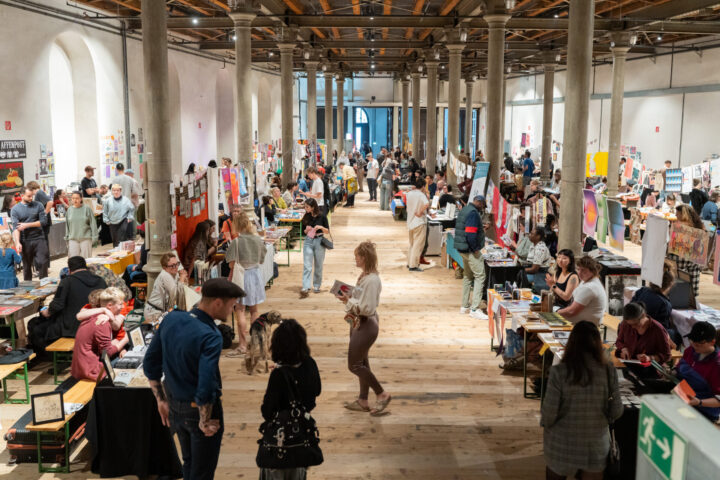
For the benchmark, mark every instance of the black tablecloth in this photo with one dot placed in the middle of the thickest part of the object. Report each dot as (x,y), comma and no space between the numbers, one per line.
(497,275)
(626,430)
(127,435)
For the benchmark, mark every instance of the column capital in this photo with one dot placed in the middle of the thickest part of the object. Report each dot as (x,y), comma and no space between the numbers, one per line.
(415,75)
(455,48)
(311,65)
(619,40)
(328,73)
(242,18)
(339,77)
(496,20)
(286,48)
(405,78)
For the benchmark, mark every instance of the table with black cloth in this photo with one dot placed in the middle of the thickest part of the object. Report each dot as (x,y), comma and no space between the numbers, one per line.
(499,275)
(626,432)
(618,271)
(127,435)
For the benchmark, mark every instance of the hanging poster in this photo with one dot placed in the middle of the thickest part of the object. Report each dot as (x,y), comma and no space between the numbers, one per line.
(12,149)
(687,177)
(673,180)
(628,171)
(654,246)
(590,210)
(603,222)
(716,273)
(616,224)
(489,197)
(596,165)
(705,174)
(11,177)
(480,179)
(715,173)
(689,243)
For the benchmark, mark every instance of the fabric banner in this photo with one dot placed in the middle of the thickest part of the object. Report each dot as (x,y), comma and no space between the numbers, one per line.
(480,179)
(616,224)
(590,210)
(689,243)
(654,246)
(603,222)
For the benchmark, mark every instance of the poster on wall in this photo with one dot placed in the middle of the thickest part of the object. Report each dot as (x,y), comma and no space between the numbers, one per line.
(11,177)
(689,243)
(596,165)
(12,149)
(616,224)
(687,177)
(590,210)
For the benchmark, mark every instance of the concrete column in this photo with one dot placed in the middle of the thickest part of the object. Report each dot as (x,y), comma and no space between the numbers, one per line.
(329,143)
(431,149)
(159,176)
(243,100)
(495,94)
(547,122)
(469,81)
(396,128)
(340,80)
(311,68)
(416,115)
(619,52)
(286,80)
(453,150)
(405,140)
(577,103)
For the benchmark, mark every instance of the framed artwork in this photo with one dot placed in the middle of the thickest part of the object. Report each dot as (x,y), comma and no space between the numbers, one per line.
(109,370)
(615,287)
(136,337)
(47,407)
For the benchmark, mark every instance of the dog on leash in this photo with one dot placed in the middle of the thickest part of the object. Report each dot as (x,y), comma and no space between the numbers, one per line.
(259,345)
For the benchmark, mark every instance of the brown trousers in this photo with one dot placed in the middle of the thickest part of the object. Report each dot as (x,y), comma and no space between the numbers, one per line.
(361,339)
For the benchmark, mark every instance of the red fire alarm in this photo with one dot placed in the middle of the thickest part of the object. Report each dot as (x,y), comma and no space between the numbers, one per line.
(657,129)
(199,124)
(8,125)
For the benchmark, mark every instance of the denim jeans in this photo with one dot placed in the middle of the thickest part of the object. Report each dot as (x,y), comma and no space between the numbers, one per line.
(385,194)
(313,253)
(199,453)
(372,188)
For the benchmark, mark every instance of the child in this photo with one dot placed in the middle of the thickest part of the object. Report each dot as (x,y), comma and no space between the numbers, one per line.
(8,260)
(95,335)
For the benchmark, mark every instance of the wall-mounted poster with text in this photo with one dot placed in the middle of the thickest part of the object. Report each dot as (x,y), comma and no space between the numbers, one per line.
(12,149)
(11,177)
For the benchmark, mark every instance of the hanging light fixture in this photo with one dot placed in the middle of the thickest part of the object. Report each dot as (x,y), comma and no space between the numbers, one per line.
(306,54)
(633,39)
(195,21)
(234,37)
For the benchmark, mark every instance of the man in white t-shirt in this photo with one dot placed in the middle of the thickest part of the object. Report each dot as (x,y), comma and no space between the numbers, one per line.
(373,167)
(317,189)
(416,208)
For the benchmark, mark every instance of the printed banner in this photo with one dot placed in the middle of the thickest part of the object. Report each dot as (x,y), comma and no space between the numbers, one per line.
(590,209)
(480,179)
(11,177)
(12,149)
(616,224)
(603,223)
(689,243)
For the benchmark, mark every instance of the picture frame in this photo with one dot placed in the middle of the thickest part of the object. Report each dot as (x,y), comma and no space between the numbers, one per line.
(137,339)
(109,370)
(47,407)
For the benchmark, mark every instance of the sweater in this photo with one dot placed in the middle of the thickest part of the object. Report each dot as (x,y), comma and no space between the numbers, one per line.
(90,342)
(365,296)
(655,341)
(117,210)
(80,224)
(248,249)
(71,296)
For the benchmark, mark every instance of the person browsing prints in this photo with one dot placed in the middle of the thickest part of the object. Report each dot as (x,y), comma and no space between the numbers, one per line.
(186,350)
(417,207)
(469,240)
(317,189)
(118,215)
(28,218)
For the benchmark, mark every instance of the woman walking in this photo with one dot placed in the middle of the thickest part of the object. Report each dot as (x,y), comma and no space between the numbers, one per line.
(361,307)
(80,228)
(582,399)
(296,369)
(315,226)
(245,254)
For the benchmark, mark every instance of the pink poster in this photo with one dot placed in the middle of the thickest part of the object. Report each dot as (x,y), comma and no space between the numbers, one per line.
(590,208)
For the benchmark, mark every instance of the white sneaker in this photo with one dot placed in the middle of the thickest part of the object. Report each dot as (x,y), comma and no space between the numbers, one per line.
(478,314)
(464,310)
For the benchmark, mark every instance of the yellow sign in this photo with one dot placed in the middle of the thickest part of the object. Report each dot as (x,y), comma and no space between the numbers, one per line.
(596,165)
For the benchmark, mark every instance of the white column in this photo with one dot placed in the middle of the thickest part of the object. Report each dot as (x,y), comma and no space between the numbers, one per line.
(431,149)
(416,115)
(619,52)
(311,68)
(286,80)
(405,112)
(454,109)
(340,81)
(495,94)
(469,80)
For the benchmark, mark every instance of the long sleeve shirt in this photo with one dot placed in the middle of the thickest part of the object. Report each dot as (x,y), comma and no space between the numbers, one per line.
(366,296)
(277,395)
(117,210)
(163,296)
(655,341)
(90,341)
(186,348)
(80,224)
(710,212)
(28,213)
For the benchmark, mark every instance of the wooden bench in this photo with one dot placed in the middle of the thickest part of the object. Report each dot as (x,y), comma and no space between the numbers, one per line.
(82,393)
(62,349)
(16,371)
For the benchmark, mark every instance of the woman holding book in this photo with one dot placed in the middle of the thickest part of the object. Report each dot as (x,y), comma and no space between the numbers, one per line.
(315,226)
(642,339)
(361,311)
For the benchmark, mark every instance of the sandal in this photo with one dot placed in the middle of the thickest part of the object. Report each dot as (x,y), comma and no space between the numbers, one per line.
(236,353)
(355,407)
(380,406)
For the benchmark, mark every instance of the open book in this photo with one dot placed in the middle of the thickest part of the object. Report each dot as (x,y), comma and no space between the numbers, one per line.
(339,286)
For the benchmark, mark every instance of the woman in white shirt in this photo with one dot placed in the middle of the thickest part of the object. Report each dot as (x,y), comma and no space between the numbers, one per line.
(361,310)
(589,298)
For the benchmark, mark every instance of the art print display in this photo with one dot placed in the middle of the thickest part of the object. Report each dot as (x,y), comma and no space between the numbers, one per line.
(12,149)
(674,180)
(480,179)
(602,226)
(590,212)
(615,286)
(654,246)
(11,177)
(687,177)
(715,172)
(47,407)
(616,224)
(689,243)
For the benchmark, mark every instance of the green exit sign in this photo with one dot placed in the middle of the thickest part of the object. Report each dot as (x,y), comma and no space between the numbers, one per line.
(661,445)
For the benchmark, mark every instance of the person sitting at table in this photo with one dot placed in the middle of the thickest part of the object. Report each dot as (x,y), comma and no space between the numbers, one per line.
(268,209)
(589,298)
(565,280)
(533,190)
(290,193)
(700,366)
(709,210)
(198,248)
(278,200)
(446,196)
(164,295)
(658,305)
(652,199)
(555,182)
(521,247)
(538,259)
(227,226)
(641,338)
(95,336)
(670,203)
(551,229)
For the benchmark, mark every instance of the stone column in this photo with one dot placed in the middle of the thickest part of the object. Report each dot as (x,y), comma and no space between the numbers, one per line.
(311,68)
(159,174)
(286,80)
(340,81)
(453,150)
(242,18)
(577,102)
(469,80)
(495,94)
(329,143)
(416,115)
(619,51)
(396,128)
(405,140)
(547,122)
(431,149)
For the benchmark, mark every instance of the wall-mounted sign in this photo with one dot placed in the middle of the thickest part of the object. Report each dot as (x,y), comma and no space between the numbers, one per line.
(8,125)
(12,149)
(11,177)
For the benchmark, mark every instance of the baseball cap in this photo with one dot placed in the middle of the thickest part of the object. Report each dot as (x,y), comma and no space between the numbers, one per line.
(221,288)
(702,332)
(478,198)
(89,169)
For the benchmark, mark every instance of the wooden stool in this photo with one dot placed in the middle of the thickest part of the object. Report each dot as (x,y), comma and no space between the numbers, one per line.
(62,349)
(10,371)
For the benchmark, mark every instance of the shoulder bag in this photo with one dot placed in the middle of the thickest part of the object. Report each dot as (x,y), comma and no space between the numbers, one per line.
(613,467)
(328,244)
(290,439)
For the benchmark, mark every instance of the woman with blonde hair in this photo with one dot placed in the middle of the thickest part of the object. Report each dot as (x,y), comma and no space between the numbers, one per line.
(361,311)
(244,256)
(8,260)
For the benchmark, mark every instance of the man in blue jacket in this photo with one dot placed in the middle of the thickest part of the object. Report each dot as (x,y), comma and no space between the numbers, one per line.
(469,240)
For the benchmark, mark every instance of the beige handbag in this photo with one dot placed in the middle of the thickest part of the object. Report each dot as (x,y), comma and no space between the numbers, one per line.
(238,275)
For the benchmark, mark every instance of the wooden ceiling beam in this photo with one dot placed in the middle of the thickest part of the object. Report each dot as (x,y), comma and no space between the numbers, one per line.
(387,10)
(545,8)
(192,6)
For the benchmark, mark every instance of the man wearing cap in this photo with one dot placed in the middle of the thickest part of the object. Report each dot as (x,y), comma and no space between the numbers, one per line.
(700,367)
(469,240)
(128,184)
(88,186)
(186,350)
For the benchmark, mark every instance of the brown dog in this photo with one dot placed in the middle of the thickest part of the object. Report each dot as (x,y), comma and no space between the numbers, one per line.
(259,344)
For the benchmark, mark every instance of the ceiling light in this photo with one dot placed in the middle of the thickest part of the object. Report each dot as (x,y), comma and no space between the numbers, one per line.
(510,4)
(270,54)
(324,67)
(442,66)
(509,69)
(306,54)
(234,37)
(557,16)
(420,68)
(463,35)
(195,21)
(436,54)
(633,39)
(659,37)
(372,18)
(372,65)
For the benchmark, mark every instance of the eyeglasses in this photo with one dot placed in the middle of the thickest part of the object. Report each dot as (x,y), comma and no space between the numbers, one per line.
(173,265)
